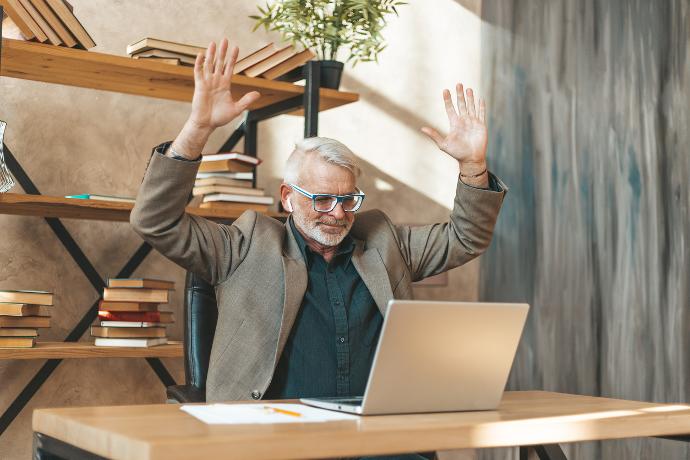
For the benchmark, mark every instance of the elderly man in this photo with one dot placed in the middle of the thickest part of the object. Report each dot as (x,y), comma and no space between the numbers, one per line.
(301,304)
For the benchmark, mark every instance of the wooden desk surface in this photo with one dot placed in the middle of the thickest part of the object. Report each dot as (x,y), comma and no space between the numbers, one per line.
(527,417)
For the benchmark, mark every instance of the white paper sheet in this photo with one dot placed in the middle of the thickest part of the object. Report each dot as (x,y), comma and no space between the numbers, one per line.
(217,414)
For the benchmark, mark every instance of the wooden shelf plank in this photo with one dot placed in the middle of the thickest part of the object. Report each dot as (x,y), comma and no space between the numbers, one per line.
(88,69)
(74,208)
(69,350)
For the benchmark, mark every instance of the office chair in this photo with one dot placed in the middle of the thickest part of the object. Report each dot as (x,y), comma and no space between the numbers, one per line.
(200,317)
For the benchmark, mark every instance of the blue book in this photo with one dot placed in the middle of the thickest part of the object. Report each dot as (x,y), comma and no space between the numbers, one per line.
(89,196)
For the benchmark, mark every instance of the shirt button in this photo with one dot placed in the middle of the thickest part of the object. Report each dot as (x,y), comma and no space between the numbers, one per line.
(256,394)
(342,339)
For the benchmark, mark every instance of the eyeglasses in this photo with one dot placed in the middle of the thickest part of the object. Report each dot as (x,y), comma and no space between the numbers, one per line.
(324,202)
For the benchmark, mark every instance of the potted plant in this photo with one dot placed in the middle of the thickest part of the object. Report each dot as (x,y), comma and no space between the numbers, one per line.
(329,27)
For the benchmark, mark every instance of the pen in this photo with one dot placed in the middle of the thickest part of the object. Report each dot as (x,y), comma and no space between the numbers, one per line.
(283,411)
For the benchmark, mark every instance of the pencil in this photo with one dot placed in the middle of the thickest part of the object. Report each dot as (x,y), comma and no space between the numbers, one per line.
(283,411)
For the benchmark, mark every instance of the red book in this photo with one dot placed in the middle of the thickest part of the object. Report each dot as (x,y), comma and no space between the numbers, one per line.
(146,316)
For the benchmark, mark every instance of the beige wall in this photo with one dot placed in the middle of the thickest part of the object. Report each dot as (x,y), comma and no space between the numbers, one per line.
(73,140)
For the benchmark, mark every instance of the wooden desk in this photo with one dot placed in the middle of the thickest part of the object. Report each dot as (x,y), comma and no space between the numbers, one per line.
(524,418)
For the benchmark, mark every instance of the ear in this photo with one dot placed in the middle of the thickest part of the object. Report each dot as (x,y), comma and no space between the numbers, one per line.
(285,192)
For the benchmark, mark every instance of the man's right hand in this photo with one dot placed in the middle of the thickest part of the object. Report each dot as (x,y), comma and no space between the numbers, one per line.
(212,104)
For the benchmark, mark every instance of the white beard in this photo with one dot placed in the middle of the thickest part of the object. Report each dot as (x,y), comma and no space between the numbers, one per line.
(313,230)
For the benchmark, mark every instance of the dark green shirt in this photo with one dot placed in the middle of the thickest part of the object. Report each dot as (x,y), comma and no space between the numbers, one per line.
(331,345)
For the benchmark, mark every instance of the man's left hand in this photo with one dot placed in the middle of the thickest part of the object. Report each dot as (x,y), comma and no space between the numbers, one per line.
(467,139)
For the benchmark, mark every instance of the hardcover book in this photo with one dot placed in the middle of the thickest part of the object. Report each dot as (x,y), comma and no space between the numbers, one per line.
(61,9)
(135,295)
(33,297)
(267,200)
(254,58)
(127,306)
(273,60)
(146,44)
(19,309)
(237,208)
(139,343)
(127,332)
(225,165)
(165,317)
(17,342)
(147,283)
(25,321)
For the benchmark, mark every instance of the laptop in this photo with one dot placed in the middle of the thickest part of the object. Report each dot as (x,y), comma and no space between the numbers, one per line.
(438,357)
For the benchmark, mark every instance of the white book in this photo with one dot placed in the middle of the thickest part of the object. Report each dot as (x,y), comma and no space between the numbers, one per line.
(131,324)
(227,175)
(238,198)
(225,182)
(139,343)
(198,191)
(231,156)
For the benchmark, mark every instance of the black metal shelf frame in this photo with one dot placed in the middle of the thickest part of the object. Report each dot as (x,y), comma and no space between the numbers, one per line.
(247,130)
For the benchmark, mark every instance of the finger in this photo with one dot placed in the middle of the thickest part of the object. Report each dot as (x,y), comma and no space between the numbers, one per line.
(220,63)
(460,94)
(434,135)
(199,66)
(247,100)
(210,56)
(450,109)
(471,109)
(482,111)
(230,65)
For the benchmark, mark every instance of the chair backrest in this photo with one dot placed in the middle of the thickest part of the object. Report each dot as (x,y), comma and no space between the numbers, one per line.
(201,316)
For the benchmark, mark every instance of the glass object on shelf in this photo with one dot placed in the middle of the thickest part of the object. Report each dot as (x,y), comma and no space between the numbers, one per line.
(6,179)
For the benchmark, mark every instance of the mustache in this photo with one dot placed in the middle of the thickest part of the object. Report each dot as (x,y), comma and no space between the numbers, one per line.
(333,221)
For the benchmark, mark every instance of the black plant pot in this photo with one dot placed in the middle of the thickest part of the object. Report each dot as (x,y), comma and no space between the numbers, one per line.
(331,71)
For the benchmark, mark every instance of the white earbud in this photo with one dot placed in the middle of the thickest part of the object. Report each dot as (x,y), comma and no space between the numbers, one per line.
(289,206)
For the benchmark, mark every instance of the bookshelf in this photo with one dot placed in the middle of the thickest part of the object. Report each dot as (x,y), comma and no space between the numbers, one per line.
(72,208)
(71,350)
(99,71)
(89,69)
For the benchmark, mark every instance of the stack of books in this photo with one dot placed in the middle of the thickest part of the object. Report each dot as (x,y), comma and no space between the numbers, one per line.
(164,51)
(46,21)
(128,315)
(22,313)
(224,181)
(271,62)
(268,62)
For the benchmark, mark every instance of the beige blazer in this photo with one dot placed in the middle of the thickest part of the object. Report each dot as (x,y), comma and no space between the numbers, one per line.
(260,275)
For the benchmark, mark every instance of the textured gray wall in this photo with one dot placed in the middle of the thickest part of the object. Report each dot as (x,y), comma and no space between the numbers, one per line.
(589,102)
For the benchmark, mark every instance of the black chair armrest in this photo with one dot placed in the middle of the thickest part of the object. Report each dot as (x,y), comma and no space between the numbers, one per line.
(186,394)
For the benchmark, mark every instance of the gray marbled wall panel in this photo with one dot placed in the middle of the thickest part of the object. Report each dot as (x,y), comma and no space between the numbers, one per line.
(589,127)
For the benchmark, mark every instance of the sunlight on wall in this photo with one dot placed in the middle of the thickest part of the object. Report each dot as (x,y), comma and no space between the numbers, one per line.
(431,46)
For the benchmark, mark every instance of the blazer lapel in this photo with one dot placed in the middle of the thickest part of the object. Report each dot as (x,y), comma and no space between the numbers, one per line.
(295,277)
(370,267)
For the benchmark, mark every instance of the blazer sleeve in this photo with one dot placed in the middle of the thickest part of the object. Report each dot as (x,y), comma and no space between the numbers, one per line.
(207,248)
(432,249)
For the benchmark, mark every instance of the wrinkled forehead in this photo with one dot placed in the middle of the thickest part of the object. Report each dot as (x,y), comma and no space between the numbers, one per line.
(319,176)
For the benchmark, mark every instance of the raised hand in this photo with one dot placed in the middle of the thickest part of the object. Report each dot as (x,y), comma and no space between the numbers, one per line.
(212,104)
(467,139)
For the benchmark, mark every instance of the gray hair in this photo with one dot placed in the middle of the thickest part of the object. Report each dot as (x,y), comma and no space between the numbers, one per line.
(329,150)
